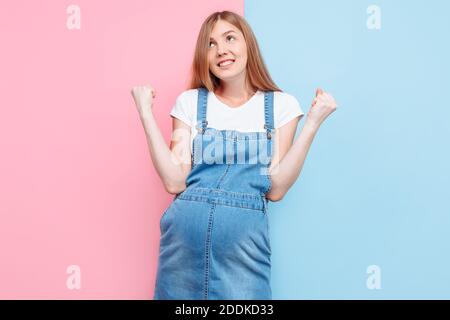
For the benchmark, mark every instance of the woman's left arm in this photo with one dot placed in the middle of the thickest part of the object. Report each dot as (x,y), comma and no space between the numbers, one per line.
(284,172)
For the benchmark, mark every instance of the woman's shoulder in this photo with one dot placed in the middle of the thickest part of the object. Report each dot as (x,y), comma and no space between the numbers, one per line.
(285,97)
(284,101)
(188,95)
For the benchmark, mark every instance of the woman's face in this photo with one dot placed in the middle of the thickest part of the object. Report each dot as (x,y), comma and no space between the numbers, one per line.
(227,42)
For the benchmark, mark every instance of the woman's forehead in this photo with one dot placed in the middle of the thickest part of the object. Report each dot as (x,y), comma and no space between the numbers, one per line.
(223,29)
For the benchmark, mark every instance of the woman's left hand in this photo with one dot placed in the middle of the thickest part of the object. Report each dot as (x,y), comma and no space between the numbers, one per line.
(322,106)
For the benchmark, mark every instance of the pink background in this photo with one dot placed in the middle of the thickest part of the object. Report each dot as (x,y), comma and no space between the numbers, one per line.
(77,183)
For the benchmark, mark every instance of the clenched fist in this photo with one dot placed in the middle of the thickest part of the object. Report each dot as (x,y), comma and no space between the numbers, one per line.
(322,106)
(143,98)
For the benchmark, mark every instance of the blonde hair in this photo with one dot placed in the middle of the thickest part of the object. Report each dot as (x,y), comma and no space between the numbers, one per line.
(257,75)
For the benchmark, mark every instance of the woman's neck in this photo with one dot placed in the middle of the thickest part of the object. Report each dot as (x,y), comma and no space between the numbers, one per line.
(235,95)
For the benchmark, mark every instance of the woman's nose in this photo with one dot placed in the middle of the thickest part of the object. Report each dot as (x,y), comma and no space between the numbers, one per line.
(221,48)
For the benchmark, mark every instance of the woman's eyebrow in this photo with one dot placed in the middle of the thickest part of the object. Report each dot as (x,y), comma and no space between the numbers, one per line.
(224,33)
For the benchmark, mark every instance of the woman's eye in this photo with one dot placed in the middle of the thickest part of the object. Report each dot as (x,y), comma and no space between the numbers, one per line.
(227,38)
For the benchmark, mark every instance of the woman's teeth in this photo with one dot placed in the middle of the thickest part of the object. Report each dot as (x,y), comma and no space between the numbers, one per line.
(226,63)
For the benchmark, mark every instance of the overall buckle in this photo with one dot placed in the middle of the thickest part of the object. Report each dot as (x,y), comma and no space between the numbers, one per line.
(201,126)
(268,131)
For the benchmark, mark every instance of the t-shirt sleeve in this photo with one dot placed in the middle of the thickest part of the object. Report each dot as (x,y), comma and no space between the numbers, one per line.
(287,109)
(182,109)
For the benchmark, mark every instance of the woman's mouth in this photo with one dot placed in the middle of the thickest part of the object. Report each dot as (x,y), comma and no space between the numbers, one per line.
(226,64)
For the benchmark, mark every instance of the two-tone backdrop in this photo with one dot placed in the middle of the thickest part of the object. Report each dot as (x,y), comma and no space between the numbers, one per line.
(80,200)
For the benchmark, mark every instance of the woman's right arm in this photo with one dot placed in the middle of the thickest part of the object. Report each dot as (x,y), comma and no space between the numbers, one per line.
(173,163)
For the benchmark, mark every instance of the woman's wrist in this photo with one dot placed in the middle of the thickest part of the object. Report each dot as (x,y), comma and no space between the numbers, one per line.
(147,118)
(146,113)
(311,124)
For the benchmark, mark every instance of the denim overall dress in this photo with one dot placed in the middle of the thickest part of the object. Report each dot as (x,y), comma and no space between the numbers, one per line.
(214,240)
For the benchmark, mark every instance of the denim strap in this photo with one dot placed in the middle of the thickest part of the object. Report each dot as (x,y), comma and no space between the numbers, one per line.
(201,109)
(268,113)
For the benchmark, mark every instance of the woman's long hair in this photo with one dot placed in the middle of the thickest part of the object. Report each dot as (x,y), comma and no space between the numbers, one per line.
(257,75)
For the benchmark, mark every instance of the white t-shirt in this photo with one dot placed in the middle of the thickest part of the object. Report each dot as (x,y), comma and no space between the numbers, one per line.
(248,117)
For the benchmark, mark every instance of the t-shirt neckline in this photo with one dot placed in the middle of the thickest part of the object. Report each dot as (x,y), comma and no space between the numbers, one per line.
(235,108)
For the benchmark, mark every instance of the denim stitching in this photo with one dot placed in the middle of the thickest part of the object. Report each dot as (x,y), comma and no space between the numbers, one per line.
(219,193)
(208,249)
(223,175)
(223,202)
(206,190)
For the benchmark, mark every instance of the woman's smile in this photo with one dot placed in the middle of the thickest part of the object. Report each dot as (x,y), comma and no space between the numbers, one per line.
(226,64)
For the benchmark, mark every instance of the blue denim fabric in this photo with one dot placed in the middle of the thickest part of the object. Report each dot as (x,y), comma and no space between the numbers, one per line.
(215,234)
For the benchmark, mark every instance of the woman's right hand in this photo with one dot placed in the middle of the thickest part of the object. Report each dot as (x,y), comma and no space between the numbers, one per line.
(143,98)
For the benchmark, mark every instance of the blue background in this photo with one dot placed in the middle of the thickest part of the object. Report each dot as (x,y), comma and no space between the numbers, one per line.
(374,188)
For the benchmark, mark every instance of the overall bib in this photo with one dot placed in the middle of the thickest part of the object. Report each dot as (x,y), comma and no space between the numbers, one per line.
(215,234)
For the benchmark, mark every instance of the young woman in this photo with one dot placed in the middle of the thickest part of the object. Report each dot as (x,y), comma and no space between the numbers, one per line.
(232,151)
